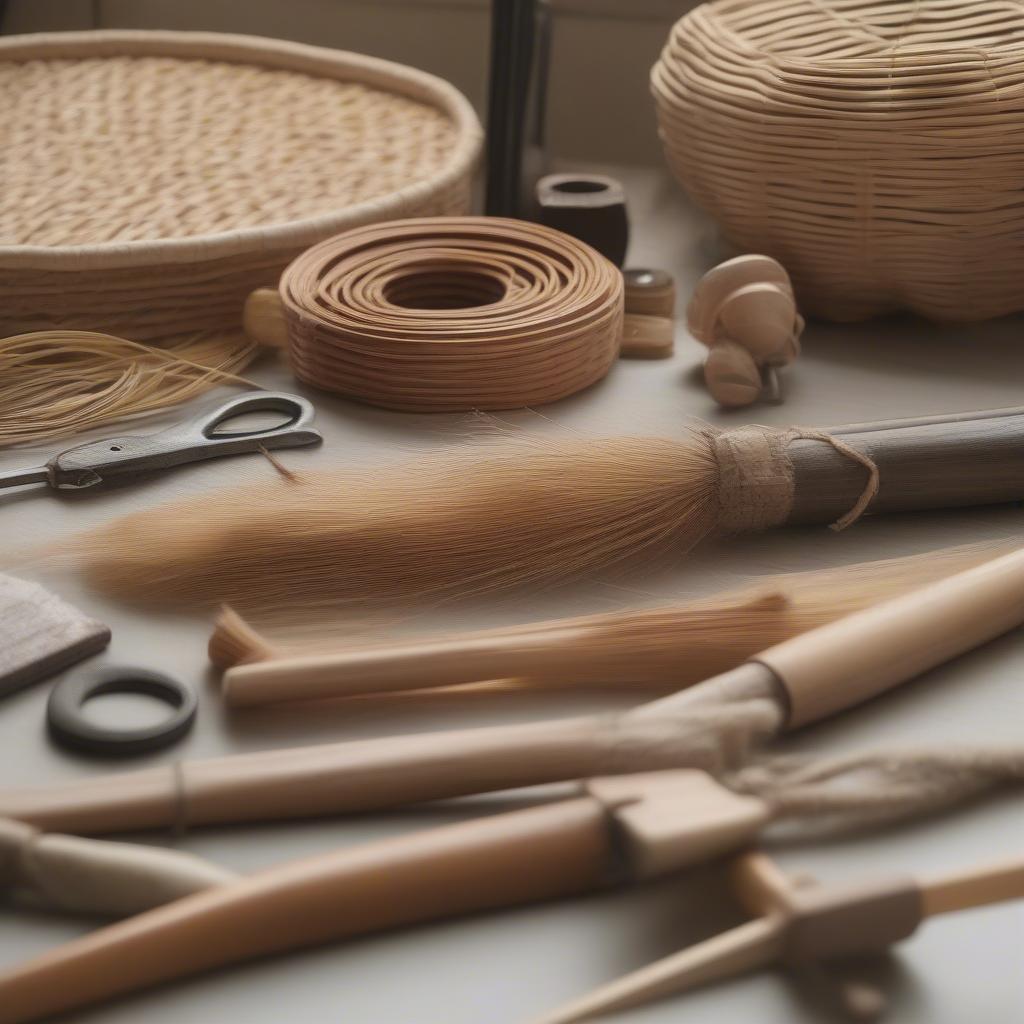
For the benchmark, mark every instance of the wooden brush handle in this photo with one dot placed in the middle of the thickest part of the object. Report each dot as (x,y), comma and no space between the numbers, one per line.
(415,666)
(864,654)
(941,463)
(504,860)
(335,778)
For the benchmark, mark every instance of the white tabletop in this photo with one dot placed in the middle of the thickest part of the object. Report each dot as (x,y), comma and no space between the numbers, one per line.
(502,968)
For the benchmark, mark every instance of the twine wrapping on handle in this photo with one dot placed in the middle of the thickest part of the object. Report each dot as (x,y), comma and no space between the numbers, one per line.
(756,480)
(451,314)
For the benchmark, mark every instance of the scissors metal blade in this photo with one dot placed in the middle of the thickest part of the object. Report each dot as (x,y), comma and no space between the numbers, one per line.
(17,477)
(114,458)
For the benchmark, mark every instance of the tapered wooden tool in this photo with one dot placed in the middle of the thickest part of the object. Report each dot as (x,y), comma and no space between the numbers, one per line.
(402,667)
(798,924)
(621,829)
(664,648)
(790,685)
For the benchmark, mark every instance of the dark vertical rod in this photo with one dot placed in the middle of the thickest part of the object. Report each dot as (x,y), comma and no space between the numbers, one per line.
(513,29)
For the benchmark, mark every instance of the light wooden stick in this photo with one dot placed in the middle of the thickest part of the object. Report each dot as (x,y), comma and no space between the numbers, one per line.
(974,887)
(745,948)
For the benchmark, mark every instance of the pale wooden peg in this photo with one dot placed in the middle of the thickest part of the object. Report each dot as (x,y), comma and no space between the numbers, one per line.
(745,303)
(647,337)
(974,887)
(762,318)
(263,318)
(745,948)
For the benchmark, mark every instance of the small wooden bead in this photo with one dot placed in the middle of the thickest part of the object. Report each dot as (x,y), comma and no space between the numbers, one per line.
(263,319)
(731,375)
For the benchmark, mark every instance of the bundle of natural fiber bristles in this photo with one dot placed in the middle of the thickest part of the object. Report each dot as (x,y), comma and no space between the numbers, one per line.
(524,510)
(871,148)
(58,383)
(665,647)
(447,314)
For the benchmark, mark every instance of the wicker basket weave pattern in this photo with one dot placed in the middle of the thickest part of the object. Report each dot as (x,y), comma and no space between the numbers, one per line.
(152,180)
(871,147)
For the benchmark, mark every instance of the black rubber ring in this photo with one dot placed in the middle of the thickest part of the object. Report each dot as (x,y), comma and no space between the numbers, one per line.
(69,727)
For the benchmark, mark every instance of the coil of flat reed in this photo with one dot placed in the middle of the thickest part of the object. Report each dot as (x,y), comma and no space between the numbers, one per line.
(871,147)
(452,313)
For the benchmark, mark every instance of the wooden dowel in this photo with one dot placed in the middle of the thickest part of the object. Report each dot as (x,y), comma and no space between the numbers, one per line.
(974,887)
(862,655)
(745,948)
(335,778)
(870,426)
(415,666)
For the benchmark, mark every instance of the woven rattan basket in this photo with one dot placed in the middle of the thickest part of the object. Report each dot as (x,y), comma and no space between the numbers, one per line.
(873,147)
(151,180)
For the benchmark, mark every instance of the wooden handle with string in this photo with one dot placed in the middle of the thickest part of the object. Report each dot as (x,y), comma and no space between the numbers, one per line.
(931,463)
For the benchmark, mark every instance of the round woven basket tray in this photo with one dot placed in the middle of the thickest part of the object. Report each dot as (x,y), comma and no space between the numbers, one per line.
(151,180)
(874,148)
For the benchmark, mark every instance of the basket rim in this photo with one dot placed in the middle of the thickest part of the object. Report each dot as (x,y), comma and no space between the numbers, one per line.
(343,65)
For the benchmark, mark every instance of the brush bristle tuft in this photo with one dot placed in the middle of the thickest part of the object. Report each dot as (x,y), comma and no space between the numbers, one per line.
(234,642)
(513,512)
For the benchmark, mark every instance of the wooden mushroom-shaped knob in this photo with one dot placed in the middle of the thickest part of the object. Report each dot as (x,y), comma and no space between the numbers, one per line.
(745,304)
(721,281)
(761,318)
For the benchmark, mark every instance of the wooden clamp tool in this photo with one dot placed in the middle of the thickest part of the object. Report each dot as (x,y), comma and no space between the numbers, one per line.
(799,923)
(620,830)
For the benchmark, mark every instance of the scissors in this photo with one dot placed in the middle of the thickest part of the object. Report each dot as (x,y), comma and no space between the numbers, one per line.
(117,458)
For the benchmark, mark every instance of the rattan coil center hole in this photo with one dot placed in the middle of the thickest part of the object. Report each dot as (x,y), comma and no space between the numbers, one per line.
(454,287)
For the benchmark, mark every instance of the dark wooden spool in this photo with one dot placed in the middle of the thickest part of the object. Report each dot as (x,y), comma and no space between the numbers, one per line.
(589,207)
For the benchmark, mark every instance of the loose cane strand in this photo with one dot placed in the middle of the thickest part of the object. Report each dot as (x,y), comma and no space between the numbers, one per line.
(60,383)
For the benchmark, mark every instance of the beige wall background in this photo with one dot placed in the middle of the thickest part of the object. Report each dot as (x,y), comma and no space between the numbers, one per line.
(599,107)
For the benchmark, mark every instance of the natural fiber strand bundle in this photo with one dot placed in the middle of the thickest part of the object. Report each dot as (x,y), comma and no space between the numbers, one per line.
(661,648)
(528,510)
(59,383)
(523,511)
(446,314)
(869,147)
